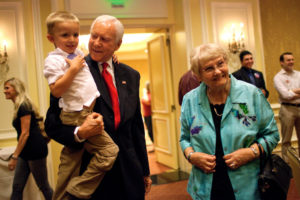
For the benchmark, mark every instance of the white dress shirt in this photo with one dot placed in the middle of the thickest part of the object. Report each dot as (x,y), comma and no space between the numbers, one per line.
(110,69)
(284,84)
(83,90)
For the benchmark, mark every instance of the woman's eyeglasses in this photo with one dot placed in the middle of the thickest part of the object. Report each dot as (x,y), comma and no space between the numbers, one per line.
(211,68)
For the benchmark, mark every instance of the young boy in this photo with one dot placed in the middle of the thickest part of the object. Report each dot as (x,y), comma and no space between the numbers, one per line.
(69,78)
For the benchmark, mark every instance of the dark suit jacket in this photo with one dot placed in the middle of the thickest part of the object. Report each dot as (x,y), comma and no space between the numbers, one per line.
(242,74)
(125,179)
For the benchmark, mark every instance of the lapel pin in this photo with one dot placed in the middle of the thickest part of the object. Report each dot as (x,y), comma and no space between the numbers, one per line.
(124,82)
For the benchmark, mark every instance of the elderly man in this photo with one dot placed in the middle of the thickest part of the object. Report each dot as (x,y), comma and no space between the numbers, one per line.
(287,84)
(119,105)
(249,75)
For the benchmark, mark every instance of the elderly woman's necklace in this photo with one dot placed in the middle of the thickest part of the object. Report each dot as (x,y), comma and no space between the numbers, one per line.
(219,115)
(213,105)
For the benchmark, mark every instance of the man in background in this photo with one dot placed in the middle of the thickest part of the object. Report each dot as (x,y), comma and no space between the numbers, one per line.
(249,75)
(146,105)
(287,84)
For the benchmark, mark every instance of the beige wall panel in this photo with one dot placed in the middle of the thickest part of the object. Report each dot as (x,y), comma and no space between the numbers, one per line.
(121,9)
(142,67)
(196,22)
(180,47)
(11,30)
(206,22)
(129,22)
(280,30)
(163,141)
(224,15)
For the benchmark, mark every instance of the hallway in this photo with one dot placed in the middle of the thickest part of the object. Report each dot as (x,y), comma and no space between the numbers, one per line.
(167,183)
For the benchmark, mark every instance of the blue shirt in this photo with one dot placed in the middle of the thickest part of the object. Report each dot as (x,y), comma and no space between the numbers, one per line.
(247,116)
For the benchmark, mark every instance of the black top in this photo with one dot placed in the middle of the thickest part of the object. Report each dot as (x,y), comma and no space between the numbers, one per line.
(221,186)
(36,146)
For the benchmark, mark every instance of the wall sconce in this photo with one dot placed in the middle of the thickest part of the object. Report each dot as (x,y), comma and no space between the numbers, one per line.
(4,68)
(235,38)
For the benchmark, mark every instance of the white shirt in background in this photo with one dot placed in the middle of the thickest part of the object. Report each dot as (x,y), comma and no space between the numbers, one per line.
(284,84)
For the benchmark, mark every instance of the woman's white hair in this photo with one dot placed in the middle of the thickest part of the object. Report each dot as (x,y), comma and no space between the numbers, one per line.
(204,53)
(108,18)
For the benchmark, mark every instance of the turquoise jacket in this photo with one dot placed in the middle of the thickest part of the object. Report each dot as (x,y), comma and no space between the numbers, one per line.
(247,116)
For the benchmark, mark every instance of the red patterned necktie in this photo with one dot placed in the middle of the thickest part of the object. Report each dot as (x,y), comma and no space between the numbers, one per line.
(113,94)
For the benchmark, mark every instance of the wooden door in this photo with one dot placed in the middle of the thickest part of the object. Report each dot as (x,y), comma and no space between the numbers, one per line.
(162,102)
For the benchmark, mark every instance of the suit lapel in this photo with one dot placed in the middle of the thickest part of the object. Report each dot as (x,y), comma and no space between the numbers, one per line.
(257,79)
(93,66)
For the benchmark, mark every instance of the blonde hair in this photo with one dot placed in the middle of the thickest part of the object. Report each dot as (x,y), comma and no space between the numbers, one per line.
(59,16)
(21,96)
(108,18)
(204,53)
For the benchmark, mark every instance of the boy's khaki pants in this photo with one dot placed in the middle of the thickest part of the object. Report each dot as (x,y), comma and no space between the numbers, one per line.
(104,152)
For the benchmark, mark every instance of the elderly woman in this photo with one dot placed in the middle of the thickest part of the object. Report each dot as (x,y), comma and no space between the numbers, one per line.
(222,123)
(31,151)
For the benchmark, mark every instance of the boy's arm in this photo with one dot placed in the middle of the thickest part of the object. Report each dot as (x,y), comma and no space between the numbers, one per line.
(63,83)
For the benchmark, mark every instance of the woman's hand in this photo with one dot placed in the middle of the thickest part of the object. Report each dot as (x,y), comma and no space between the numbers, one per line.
(239,158)
(12,164)
(204,161)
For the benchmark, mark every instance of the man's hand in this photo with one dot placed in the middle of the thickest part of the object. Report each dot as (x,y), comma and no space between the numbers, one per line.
(93,125)
(296,90)
(148,183)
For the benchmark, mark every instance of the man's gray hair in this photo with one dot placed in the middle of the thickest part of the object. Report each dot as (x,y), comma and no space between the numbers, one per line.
(108,18)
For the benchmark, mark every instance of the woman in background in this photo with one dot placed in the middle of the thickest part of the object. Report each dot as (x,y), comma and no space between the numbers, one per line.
(31,151)
(222,123)
(146,104)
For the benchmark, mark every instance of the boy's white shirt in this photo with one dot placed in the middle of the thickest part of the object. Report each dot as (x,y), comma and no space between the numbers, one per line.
(83,90)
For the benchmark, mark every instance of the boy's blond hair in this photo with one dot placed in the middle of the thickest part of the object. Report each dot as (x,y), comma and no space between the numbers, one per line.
(59,16)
